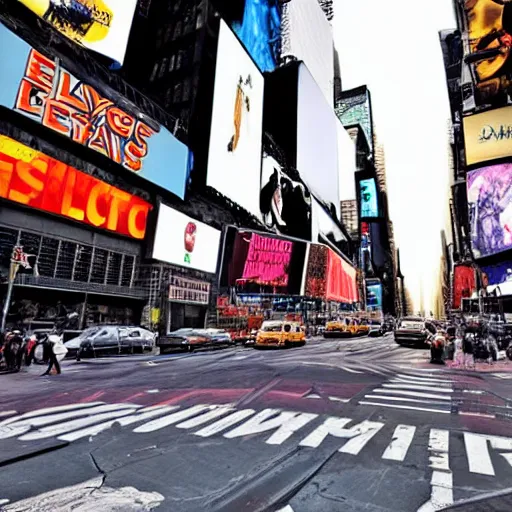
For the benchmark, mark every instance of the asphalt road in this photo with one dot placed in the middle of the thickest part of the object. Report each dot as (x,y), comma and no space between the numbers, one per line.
(351,425)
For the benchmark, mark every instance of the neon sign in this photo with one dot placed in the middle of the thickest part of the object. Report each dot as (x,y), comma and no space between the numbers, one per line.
(32,178)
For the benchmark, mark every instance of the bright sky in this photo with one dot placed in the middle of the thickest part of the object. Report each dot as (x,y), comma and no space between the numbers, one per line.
(393,47)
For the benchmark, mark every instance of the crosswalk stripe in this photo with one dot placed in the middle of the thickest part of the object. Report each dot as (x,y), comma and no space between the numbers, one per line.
(397,406)
(412,393)
(424,379)
(350,370)
(405,399)
(171,419)
(399,446)
(416,387)
(434,385)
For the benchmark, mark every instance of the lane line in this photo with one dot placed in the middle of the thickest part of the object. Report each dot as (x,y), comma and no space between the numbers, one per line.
(396,406)
(350,370)
(399,446)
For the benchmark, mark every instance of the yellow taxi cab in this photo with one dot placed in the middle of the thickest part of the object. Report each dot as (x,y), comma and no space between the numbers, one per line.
(363,328)
(346,327)
(277,333)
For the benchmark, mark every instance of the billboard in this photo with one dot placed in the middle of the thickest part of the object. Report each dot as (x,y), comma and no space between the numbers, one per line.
(317,140)
(373,296)
(488,135)
(346,164)
(234,159)
(489,192)
(329,277)
(498,276)
(355,109)
(285,204)
(99,25)
(369,198)
(464,284)
(490,38)
(261,264)
(258,25)
(34,179)
(306,36)
(41,89)
(181,240)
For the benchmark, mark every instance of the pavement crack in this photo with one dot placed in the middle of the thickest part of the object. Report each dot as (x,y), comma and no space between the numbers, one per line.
(100,471)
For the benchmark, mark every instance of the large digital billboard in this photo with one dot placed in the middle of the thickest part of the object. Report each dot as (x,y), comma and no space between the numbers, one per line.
(464,284)
(261,264)
(498,276)
(258,25)
(100,25)
(285,204)
(369,198)
(317,140)
(234,159)
(36,180)
(41,89)
(373,295)
(489,25)
(354,109)
(329,277)
(490,209)
(307,36)
(488,136)
(181,240)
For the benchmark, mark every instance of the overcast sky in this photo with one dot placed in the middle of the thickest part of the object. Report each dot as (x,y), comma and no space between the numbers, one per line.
(393,47)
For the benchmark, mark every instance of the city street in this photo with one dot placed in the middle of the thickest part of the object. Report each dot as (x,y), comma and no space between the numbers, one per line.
(356,424)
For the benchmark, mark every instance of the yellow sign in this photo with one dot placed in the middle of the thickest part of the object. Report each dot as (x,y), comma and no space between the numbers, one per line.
(488,135)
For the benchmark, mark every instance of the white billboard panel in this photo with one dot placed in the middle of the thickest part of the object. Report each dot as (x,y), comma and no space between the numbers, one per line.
(182,240)
(317,140)
(234,159)
(346,164)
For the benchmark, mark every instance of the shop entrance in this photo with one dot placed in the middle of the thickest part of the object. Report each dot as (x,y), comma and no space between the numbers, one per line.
(186,315)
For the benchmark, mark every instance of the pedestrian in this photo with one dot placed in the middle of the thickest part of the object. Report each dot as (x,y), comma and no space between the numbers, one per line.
(49,354)
(458,357)
(468,351)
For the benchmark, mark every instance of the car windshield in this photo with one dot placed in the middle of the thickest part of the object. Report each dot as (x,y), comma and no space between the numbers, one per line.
(272,328)
(89,332)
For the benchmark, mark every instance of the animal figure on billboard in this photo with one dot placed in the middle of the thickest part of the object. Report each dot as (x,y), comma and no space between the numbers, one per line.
(59,101)
(190,240)
(490,206)
(242,100)
(80,20)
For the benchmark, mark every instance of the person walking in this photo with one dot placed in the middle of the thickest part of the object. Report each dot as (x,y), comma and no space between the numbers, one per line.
(50,355)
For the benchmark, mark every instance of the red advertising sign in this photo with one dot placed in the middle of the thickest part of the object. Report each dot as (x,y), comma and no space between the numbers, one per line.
(464,284)
(32,178)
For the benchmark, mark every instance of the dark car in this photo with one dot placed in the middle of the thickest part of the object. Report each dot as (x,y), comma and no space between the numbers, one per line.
(111,339)
(377,329)
(191,339)
(413,330)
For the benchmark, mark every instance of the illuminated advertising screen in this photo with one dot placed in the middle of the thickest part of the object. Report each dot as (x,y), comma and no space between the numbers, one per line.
(317,140)
(373,296)
(36,180)
(490,39)
(369,201)
(258,25)
(181,240)
(464,284)
(330,277)
(41,89)
(99,25)
(498,276)
(488,135)
(307,36)
(257,263)
(234,159)
(490,209)
(355,109)
(285,204)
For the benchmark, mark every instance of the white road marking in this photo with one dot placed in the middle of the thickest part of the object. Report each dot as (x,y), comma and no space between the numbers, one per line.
(125,420)
(411,393)
(359,434)
(204,418)
(285,422)
(69,426)
(285,509)
(441,494)
(431,385)
(397,406)
(224,423)
(20,427)
(419,388)
(477,451)
(350,370)
(171,419)
(151,391)
(423,379)
(7,413)
(402,439)
(336,399)
(405,399)
(47,410)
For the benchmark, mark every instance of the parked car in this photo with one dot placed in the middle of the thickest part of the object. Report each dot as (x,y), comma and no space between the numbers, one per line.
(191,339)
(414,330)
(279,333)
(111,339)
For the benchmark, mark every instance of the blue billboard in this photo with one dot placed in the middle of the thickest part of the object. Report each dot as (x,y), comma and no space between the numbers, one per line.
(258,26)
(41,89)
(373,297)
(369,203)
(498,274)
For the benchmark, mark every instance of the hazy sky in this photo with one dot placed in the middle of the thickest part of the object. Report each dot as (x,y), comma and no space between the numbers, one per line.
(393,47)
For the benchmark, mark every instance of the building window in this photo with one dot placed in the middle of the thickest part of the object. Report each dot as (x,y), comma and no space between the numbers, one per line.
(186,89)
(177,30)
(127,272)
(179,58)
(154,72)
(172,61)
(163,67)
(114,268)
(177,93)
(47,257)
(66,260)
(83,263)
(99,266)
